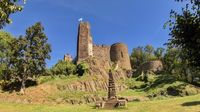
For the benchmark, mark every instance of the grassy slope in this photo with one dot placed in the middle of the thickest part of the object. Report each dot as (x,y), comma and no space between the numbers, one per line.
(168,105)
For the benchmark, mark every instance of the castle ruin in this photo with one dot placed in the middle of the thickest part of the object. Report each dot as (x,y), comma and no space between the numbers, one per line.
(117,53)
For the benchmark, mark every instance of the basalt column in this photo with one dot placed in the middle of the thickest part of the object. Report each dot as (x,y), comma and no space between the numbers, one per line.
(84,43)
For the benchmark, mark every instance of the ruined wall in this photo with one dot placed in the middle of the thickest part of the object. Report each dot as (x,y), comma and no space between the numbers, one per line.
(119,54)
(154,66)
(102,52)
(84,43)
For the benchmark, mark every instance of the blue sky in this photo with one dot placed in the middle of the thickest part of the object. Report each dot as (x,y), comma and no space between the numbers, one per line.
(134,22)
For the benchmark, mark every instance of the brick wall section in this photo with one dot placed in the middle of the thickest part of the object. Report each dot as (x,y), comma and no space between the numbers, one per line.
(101,52)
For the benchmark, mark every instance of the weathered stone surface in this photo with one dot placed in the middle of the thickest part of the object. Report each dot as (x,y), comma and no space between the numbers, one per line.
(84,43)
(68,57)
(113,101)
(119,54)
(102,52)
(154,66)
(111,87)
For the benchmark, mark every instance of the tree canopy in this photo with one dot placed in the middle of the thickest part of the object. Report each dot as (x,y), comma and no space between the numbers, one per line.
(185,31)
(8,7)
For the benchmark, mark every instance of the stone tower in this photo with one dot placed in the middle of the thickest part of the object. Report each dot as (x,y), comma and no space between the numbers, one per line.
(68,58)
(84,43)
(119,54)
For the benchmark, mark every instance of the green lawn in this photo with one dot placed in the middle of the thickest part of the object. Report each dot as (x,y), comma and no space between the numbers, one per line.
(183,104)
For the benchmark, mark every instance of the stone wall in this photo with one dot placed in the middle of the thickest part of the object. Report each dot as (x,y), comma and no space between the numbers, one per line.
(154,66)
(102,52)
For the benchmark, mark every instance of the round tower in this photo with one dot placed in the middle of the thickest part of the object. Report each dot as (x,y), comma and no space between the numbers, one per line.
(119,54)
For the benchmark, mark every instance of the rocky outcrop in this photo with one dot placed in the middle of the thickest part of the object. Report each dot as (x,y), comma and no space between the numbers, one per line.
(98,78)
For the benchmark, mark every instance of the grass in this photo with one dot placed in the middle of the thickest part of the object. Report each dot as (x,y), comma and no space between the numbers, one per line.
(60,80)
(131,92)
(183,104)
(136,88)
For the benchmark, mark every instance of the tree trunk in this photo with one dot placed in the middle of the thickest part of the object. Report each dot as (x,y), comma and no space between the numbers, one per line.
(22,89)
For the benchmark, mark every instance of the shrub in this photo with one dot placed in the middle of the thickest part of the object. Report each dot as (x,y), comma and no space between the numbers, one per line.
(82,68)
(63,68)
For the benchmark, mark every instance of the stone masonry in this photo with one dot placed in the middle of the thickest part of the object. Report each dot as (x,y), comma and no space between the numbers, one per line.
(117,53)
(84,43)
(68,58)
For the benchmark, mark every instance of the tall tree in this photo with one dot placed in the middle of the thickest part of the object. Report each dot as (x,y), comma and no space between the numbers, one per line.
(148,53)
(30,54)
(185,31)
(171,59)
(137,57)
(8,7)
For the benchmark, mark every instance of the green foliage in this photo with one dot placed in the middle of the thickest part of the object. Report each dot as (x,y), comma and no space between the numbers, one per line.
(159,53)
(8,7)
(172,59)
(82,68)
(137,57)
(176,64)
(63,68)
(141,55)
(167,105)
(133,83)
(29,54)
(69,68)
(185,31)
(44,79)
(5,52)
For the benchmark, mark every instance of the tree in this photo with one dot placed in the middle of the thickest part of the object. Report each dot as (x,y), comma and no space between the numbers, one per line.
(82,68)
(148,53)
(141,55)
(63,68)
(137,57)
(149,49)
(29,55)
(5,52)
(159,53)
(185,32)
(171,59)
(8,7)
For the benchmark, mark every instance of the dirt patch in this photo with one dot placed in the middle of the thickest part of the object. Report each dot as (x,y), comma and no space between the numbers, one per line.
(36,95)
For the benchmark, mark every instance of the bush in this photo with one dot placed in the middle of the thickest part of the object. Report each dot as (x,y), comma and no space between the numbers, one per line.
(82,68)
(63,68)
